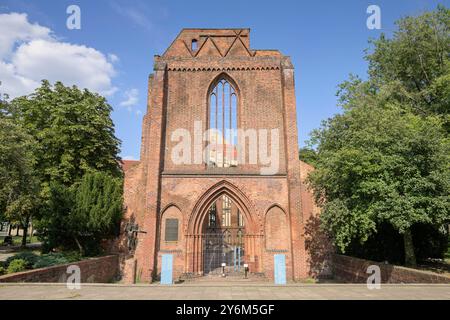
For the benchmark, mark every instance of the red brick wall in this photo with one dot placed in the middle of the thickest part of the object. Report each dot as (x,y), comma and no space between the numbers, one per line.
(277,240)
(171,247)
(178,96)
(259,98)
(99,270)
(350,269)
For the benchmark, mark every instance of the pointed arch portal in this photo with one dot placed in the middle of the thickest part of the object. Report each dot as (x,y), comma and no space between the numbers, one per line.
(222,229)
(223,237)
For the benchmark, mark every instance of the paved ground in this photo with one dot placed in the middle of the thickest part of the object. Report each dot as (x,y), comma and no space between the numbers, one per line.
(8,251)
(5,255)
(226,291)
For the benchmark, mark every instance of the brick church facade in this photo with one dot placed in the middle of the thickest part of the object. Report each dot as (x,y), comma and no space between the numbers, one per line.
(217,205)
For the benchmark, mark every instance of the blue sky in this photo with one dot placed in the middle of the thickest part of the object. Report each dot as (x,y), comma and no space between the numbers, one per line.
(118,39)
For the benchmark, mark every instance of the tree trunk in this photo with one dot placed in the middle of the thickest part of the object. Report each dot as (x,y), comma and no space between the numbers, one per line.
(17,230)
(410,257)
(79,246)
(31,230)
(25,232)
(10,229)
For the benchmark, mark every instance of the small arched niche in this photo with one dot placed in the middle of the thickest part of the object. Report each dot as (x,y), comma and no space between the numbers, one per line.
(171,228)
(276,229)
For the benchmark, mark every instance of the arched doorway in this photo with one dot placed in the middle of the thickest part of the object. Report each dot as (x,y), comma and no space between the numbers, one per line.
(223,237)
(206,245)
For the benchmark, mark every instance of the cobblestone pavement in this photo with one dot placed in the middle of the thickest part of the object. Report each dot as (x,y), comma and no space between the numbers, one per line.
(226,291)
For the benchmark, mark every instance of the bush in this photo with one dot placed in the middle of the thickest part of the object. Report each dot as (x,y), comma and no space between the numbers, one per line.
(33,261)
(50,259)
(30,258)
(72,256)
(17,265)
(81,216)
(387,244)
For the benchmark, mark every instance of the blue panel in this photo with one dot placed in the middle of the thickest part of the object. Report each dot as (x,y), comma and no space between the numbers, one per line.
(279,269)
(239,258)
(234,257)
(166,269)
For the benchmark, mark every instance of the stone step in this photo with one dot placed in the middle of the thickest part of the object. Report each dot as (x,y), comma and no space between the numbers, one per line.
(235,278)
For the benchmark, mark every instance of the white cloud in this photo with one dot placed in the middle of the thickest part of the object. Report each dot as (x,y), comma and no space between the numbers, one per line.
(113,58)
(15,29)
(13,84)
(30,53)
(131,98)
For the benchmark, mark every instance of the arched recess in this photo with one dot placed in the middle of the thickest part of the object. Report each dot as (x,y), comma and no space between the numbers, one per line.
(171,231)
(195,236)
(200,211)
(276,229)
(167,206)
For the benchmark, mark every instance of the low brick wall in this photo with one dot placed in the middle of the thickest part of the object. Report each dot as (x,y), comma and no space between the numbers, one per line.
(350,269)
(99,270)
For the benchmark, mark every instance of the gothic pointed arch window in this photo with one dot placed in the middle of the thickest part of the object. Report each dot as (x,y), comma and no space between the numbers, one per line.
(222,149)
(226,211)
(212,216)
(240,236)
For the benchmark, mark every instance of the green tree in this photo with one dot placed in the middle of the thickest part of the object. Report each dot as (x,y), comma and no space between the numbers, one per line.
(385,159)
(73,130)
(377,163)
(98,206)
(54,228)
(83,215)
(19,187)
(412,67)
(307,155)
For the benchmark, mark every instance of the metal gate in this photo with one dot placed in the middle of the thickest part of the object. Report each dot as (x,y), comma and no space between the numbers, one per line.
(221,248)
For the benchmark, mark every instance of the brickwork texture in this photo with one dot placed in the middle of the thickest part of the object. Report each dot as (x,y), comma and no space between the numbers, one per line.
(276,207)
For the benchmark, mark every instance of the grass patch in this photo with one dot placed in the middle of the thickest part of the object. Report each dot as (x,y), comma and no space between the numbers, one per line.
(17,240)
(308,280)
(28,260)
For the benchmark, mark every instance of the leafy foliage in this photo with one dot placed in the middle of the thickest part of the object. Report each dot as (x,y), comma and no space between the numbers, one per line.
(34,261)
(19,187)
(74,131)
(98,204)
(84,214)
(378,163)
(385,159)
(56,258)
(49,141)
(54,224)
(386,244)
(416,62)
(51,259)
(17,265)
(30,258)
(308,155)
